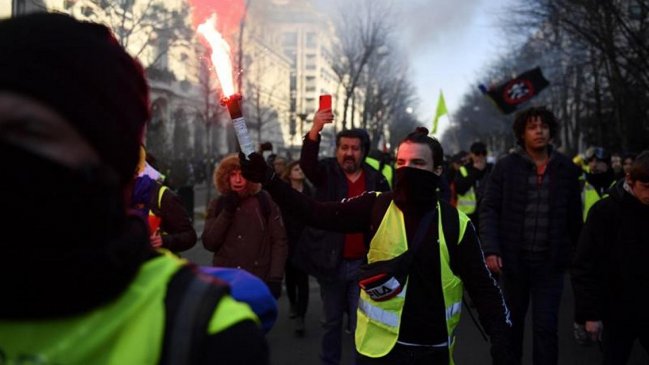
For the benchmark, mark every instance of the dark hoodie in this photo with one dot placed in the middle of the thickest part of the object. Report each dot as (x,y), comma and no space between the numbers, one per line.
(610,271)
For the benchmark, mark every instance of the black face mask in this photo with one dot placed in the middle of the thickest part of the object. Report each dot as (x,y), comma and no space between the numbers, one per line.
(602,180)
(415,188)
(54,209)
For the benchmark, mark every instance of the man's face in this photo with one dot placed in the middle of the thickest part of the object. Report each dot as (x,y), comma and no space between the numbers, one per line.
(417,155)
(640,190)
(616,163)
(238,183)
(480,157)
(536,135)
(296,173)
(279,165)
(626,166)
(349,154)
(597,166)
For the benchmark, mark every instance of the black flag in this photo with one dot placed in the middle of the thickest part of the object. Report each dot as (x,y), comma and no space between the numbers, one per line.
(509,95)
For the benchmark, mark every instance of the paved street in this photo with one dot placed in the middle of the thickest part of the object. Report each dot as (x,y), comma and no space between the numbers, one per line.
(286,349)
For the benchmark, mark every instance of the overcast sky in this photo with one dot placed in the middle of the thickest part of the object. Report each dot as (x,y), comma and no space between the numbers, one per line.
(448,43)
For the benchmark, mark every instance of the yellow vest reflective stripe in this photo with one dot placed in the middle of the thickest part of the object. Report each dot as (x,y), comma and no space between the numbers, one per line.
(387,169)
(129,330)
(153,219)
(466,203)
(378,323)
(589,197)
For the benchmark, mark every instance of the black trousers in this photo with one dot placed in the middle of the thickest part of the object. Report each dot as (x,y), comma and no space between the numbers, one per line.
(297,288)
(539,282)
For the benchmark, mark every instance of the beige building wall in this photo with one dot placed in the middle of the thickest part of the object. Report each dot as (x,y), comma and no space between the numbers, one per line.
(288,53)
(306,38)
(172,63)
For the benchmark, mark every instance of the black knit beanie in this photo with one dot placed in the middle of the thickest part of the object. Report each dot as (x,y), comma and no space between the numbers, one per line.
(80,70)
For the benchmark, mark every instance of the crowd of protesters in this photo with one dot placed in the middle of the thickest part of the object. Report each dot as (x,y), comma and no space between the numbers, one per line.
(394,245)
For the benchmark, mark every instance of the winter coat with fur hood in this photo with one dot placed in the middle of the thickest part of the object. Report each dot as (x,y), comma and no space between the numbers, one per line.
(251,237)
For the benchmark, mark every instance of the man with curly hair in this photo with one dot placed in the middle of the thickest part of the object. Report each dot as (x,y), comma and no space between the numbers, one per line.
(530,219)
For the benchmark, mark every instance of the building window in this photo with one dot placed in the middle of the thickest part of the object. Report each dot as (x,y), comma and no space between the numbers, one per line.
(289,39)
(309,84)
(293,81)
(310,63)
(311,40)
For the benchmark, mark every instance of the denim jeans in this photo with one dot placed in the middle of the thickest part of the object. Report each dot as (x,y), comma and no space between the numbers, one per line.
(538,279)
(339,296)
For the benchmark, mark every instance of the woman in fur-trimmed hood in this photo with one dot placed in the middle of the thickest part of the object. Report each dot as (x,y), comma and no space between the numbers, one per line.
(222,173)
(244,227)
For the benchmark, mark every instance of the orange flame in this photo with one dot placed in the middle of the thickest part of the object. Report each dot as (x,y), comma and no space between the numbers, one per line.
(220,54)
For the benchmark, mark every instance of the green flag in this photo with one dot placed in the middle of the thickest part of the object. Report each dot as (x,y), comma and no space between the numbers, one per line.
(441,110)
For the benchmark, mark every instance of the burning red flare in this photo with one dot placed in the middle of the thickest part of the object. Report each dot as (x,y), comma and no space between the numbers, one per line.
(220,54)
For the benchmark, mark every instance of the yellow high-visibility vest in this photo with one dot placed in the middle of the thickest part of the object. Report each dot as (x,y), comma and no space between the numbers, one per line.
(128,330)
(590,196)
(386,172)
(466,203)
(378,323)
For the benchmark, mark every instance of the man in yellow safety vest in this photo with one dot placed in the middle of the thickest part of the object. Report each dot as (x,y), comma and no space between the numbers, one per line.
(422,253)
(471,180)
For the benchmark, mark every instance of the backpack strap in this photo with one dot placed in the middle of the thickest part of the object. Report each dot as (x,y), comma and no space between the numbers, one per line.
(155,202)
(451,223)
(161,192)
(378,211)
(191,300)
(264,204)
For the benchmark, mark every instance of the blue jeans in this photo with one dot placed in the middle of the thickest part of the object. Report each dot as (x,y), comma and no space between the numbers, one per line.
(339,296)
(538,279)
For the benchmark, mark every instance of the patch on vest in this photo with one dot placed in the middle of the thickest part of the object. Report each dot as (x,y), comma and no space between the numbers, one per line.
(381,287)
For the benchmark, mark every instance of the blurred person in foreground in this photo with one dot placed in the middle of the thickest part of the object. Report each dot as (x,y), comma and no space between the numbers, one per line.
(80,281)
(413,324)
(610,274)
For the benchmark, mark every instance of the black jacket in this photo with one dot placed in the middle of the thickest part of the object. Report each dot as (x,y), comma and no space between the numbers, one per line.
(176,225)
(610,274)
(329,179)
(321,251)
(475,179)
(502,210)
